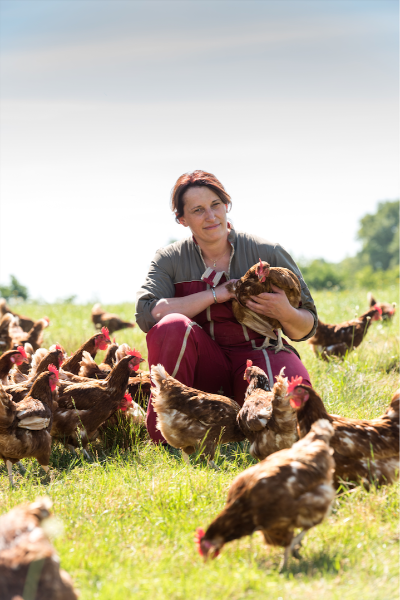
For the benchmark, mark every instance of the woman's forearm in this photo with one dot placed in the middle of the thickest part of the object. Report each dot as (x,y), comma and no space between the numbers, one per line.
(298,324)
(192,305)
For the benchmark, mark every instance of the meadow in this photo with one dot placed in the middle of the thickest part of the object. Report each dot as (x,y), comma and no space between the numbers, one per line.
(126,519)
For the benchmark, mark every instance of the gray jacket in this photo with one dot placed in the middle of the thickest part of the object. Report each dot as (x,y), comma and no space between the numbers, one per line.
(182,262)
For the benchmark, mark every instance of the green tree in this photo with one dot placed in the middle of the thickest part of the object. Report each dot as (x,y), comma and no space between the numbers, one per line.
(379,234)
(14,290)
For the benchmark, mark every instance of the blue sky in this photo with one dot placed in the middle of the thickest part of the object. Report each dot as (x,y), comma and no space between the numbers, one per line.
(292,104)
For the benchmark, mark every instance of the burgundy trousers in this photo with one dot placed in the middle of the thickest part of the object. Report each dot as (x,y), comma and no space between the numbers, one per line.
(189,354)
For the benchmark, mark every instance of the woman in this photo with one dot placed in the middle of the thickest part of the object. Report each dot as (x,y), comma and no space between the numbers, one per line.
(187,314)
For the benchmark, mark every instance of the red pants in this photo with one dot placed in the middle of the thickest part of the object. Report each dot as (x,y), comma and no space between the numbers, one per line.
(190,355)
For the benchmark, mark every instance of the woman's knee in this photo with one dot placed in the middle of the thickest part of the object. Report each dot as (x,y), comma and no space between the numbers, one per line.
(171,327)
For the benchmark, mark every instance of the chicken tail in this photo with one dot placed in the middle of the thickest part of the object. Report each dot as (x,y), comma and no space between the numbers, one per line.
(88,365)
(158,375)
(97,310)
(281,386)
(122,351)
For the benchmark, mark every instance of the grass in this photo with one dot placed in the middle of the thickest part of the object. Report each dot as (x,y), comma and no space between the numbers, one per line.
(129,517)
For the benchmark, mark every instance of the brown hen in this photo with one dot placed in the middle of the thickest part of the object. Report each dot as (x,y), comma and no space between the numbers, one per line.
(113,322)
(364,450)
(190,419)
(99,341)
(290,489)
(25,323)
(82,407)
(388,310)
(25,426)
(10,359)
(258,280)
(29,565)
(267,418)
(337,340)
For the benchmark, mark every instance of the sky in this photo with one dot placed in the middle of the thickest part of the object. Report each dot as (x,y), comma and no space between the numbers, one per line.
(292,104)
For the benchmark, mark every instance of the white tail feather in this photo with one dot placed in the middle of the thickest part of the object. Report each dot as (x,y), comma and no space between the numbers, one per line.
(28,349)
(37,359)
(121,352)
(34,423)
(158,374)
(97,310)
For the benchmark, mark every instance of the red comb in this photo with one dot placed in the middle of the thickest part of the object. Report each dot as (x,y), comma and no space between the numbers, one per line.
(134,352)
(200,533)
(261,267)
(378,308)
(114,342)
(105,332)
(58,347)
(294,382)
(21,350)
(128,399)
(47,319)
(53,370)
(249,363)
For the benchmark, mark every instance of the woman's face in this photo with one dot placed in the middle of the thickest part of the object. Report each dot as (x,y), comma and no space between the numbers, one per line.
(205,214)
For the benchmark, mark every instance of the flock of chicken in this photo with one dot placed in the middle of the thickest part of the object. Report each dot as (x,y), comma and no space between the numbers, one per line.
(304,452)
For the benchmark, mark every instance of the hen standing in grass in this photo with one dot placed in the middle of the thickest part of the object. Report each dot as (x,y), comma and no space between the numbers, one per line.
(99,341)
(10,359)
(25,323)
(113,322)
(29,565)
(336,340)
(364,450)
(40,363)
(259,279)
(34,336)
(25,426)
(388,310)
(290,489)
(82,407)
(267,418)
(190,419)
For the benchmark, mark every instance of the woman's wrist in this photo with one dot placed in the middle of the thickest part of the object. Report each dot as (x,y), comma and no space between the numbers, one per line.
(214,296)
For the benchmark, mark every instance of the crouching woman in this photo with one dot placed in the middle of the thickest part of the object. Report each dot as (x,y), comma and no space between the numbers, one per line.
(186,309)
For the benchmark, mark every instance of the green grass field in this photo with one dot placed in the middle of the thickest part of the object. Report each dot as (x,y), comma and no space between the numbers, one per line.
(129,517)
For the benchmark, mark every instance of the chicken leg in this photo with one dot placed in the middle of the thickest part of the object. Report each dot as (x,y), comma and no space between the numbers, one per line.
(292,550)
(280,345)
(10,475)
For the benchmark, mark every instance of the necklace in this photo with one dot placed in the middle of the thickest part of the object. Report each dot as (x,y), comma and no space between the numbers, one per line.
(217,259)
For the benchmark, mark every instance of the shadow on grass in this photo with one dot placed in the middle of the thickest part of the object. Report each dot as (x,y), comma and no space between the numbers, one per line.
(321,564)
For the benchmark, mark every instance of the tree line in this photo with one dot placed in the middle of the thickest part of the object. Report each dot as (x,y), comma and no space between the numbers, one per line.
(377,262)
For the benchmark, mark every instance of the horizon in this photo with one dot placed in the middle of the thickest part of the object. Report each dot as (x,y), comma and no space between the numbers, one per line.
(293,106)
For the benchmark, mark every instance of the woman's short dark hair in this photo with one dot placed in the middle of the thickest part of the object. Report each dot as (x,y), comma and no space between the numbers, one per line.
(196,179)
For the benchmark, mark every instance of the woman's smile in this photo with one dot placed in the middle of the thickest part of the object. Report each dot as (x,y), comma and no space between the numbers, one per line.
(212,226)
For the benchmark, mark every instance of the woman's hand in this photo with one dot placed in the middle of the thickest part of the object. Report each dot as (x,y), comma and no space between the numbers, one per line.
(223,295)
(296,322)
(274,305)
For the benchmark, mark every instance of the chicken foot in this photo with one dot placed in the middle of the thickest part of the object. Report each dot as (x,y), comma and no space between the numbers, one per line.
(292,549)
(46,468)
(186,458)
(280,345)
